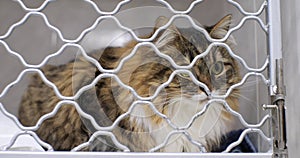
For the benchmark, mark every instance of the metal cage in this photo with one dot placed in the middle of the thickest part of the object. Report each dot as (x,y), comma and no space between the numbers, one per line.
(269,122)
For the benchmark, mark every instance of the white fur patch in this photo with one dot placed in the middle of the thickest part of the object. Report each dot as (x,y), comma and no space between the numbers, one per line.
(208,127)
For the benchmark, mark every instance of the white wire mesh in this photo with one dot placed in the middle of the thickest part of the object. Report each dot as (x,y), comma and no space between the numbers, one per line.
(255,128)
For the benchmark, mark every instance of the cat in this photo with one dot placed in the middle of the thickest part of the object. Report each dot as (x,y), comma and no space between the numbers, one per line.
(143,129)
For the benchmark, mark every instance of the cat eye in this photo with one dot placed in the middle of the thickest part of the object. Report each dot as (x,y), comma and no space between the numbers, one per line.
(217,68)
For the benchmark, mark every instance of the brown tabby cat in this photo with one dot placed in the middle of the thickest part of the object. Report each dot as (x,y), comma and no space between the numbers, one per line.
(143,129)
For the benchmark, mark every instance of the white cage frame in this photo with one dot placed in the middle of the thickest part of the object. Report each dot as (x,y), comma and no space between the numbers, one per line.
(274,81)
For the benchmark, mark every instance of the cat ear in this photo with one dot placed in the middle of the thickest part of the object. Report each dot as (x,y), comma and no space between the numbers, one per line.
(220,29)
(161,21)
(167,34)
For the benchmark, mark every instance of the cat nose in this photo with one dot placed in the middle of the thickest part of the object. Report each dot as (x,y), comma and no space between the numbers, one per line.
(202,91)
(207,93)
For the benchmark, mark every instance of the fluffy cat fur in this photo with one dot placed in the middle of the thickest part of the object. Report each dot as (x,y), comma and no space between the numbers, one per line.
(142,130)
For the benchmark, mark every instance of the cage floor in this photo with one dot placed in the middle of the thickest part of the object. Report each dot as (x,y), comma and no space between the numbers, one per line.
(127,155)
(23,143)
(8,129)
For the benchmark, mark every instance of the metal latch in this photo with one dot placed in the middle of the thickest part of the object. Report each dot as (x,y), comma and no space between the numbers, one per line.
(278,110)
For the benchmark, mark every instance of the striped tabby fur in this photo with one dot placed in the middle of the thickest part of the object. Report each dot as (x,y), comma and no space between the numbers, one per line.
(144,72)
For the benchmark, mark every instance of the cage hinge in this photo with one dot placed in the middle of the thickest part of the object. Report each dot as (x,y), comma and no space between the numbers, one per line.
(278,110)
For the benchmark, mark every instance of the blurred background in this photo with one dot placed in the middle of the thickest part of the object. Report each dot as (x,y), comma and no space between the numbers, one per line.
(290,22)
(34,40)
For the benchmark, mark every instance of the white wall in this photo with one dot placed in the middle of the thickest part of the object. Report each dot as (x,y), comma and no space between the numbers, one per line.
(290,12)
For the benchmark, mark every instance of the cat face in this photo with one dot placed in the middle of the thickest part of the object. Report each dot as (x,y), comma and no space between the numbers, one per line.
(186,92)
(218,70)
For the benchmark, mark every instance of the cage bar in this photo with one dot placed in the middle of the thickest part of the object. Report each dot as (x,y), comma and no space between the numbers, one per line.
(275,82)
(276,87)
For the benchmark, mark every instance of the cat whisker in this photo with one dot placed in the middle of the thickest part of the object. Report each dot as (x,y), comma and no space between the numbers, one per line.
(249,102)
(250,83)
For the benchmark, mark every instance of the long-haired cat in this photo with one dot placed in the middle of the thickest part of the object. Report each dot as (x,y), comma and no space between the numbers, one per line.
(143,129)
